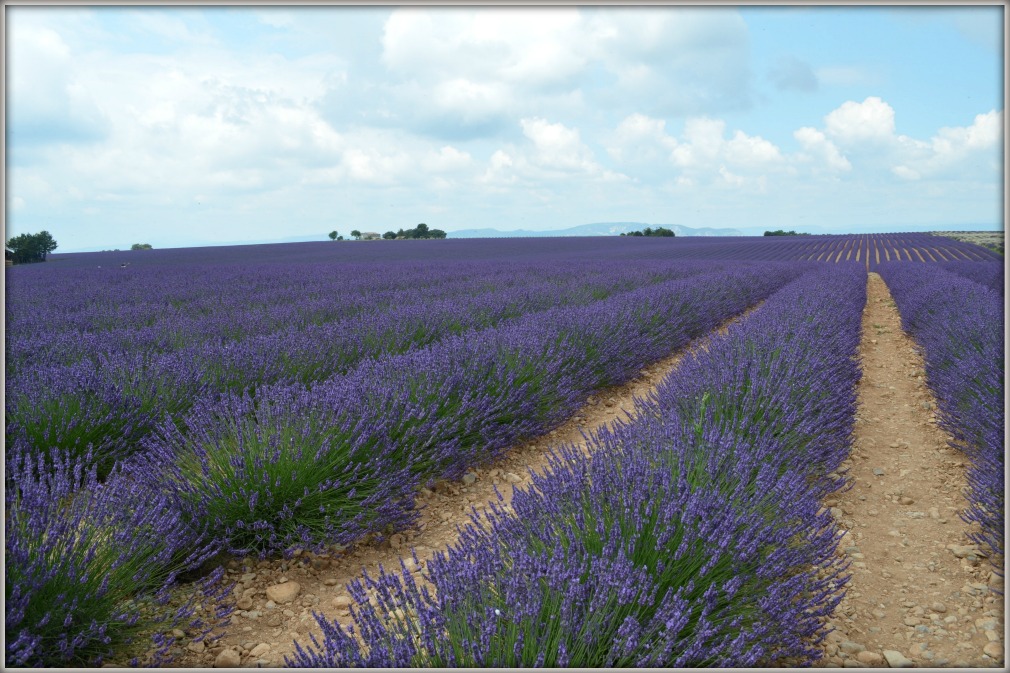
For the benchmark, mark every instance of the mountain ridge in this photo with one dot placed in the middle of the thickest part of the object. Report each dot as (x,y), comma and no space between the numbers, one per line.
(594,229)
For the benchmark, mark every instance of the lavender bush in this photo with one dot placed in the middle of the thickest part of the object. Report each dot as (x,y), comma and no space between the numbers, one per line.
(692,537)
(277,472)
(85,571)
(959,323)
(74,410)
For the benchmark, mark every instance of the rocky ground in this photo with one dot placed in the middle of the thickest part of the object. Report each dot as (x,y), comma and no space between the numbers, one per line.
(920,593)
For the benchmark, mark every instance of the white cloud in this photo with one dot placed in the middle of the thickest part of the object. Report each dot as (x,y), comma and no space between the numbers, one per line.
(752,151)
(704,147)
(687,62)
(871,120)
(817,147)
(513,46)
(702,154)
(551,156)
(47,100)
(954,151)
(476,69)
(447,160)
(867,132)
(640,139)
(731,179)
(473,101)
(557,146)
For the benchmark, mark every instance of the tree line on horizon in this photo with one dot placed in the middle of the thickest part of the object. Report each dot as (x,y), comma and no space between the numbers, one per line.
(421,231)
(649,231)
(780,232)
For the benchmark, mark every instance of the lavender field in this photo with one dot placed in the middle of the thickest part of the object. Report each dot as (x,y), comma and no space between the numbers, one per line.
(167,409)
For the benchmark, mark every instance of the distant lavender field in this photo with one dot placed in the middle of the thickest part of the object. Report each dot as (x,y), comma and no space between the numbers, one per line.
(269,398)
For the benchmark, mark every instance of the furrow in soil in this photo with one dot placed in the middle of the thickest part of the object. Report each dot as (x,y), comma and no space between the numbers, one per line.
(920,593)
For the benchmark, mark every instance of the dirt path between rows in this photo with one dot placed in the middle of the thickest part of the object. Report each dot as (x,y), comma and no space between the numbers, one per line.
(920,593)
(272,611)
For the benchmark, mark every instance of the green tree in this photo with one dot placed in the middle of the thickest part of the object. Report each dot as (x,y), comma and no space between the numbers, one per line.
(389,235)
(436,233)
(333,235)
(141,246)
(421,231)
(780,232)
(649,231)
(356,234)
(28,248)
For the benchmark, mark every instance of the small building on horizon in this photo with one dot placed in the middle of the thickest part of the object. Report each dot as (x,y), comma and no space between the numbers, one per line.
(370,236)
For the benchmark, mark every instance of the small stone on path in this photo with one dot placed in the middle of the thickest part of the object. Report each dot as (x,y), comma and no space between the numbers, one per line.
(259,650)
(896,659)
(870,658)
(228,659)
(285,592)
(994,650)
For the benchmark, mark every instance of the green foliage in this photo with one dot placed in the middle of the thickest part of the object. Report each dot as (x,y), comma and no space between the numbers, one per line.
(28,248)
(649,231)
(356,234)
(420,231)
(333,235)
(389,235)
(780,232)
(141,246)
(305,478)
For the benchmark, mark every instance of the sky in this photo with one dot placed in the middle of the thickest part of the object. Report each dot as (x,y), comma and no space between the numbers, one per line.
(189,126)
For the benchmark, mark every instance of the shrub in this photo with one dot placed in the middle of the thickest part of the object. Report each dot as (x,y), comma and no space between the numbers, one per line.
(279,472)
(75,410)
(85,572)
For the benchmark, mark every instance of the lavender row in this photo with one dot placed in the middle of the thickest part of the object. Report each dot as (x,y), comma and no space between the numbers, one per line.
(693,536)
(163,310)
(959,324)
(987,274)
(111,402)
(301,466)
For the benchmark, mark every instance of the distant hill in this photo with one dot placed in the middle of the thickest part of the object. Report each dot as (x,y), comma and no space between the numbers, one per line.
(595,229)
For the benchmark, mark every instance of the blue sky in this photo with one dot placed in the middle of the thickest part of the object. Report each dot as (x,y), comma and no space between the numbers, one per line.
(202,126)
